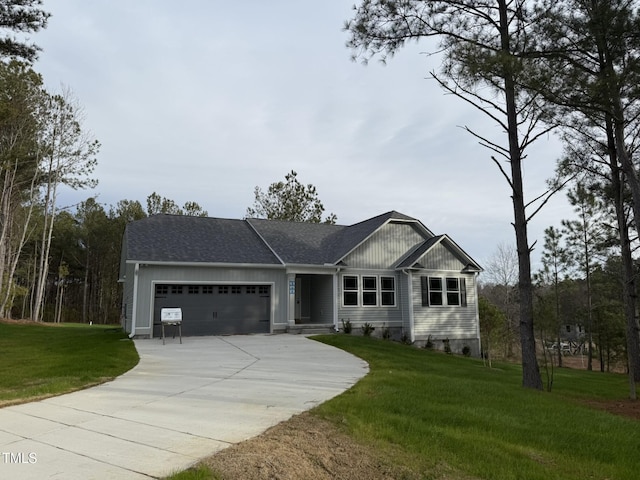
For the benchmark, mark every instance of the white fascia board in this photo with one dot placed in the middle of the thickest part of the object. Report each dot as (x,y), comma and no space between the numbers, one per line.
(462,252)
(207,264)
(311,269)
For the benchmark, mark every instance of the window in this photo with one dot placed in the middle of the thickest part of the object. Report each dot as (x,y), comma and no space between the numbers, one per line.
(193,289)
(435,293)
(387,291)
(370,291)
(453,291)
(350,290)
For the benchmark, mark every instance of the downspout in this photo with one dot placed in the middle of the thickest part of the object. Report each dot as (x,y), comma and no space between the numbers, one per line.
(412,334)
(134,303)
(336,302)
(475,289)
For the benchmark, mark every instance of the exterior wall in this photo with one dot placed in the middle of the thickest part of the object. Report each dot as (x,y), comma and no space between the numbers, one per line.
(322,299)
(127,275)
(441,258)
(457,323)
(386,247)
(378,256)
(149,275)
(379,316)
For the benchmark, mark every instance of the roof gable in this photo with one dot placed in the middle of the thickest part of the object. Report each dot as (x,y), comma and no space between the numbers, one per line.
(441,246)
(359,233)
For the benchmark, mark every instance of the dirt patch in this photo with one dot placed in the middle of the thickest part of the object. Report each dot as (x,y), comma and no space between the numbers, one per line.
(304,447)
(314,449)
(625,408)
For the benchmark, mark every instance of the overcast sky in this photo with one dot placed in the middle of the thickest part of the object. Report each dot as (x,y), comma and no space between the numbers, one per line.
(203,100)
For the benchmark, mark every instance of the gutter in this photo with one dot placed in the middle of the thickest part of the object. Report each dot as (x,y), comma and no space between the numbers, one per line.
(206,264)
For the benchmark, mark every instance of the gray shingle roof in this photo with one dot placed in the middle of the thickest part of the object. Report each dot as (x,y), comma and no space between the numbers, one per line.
(178,238)
(300,243)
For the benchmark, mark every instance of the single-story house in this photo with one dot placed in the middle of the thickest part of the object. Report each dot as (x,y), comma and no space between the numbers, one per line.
(267,276)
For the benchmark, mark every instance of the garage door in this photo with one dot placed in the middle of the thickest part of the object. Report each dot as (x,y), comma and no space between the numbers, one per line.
(215,309)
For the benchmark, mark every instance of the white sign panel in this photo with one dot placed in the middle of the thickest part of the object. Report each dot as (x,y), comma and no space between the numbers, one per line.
(171,314)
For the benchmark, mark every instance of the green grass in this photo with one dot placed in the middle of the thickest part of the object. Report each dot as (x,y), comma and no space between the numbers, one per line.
(441,416)
(42,360)
(447,416)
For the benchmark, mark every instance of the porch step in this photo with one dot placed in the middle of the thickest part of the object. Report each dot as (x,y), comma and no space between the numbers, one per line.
(311,329)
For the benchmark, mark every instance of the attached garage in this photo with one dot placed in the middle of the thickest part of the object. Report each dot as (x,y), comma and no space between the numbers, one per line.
(248,276)
(215,309)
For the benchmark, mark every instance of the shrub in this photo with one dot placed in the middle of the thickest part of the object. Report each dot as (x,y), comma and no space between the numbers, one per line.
(429,344)
(367,329)
(346,326)
(386,333)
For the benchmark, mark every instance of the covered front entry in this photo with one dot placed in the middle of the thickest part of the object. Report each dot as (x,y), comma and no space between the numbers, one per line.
(215,309)
(313,299)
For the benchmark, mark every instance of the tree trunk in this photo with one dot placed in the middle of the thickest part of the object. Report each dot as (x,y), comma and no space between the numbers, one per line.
(633,330)
(628,277)
(530,371)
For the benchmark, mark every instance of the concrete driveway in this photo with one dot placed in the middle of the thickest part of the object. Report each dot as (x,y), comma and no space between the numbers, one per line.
(181,403)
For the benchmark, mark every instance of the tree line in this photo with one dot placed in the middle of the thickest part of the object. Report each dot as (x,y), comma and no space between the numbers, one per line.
(532,67)
(83,261)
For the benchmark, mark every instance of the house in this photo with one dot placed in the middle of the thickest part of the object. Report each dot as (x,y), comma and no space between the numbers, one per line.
(266,276)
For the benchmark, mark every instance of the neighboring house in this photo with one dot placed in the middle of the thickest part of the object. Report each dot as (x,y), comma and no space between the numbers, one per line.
(267,276)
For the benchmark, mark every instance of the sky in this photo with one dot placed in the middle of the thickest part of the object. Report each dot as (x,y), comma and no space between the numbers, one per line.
(203,100)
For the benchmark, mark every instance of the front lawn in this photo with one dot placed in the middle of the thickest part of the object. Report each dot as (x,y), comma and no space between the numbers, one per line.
(43,360)
(451,417)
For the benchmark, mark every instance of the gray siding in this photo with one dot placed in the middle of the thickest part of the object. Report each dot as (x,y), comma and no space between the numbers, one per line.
(386,247)
(441,258)
(453,322)
(148,276)
(379,315)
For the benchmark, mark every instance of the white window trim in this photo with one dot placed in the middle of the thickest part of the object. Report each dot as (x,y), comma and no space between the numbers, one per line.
(395,296)
(357,291)
(457,291)
(444,291)
(378,291)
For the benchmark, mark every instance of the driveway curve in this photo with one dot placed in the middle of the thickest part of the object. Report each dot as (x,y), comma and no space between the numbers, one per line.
(181,403)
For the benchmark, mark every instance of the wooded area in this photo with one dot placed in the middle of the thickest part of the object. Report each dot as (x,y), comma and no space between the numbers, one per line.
(534,66)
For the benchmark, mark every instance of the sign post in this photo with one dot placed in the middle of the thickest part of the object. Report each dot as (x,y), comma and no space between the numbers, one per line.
(171,316)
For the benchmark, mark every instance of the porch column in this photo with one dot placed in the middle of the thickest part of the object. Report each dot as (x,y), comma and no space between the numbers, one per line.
(291,304)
